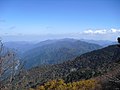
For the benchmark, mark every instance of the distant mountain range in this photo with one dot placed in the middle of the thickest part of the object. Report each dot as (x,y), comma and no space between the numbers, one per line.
(85,66)
(22,46)
(103,43)
(19,46)
(56,51)
(53,51)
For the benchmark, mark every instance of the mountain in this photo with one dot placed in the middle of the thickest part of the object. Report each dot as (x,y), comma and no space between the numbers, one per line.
(89,65)
(19,46)
(57,51)
(103,43)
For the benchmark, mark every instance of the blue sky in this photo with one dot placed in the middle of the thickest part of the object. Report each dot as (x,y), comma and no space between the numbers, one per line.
(42,17)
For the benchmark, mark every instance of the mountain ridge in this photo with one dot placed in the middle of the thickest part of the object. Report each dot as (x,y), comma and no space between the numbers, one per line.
(58,51)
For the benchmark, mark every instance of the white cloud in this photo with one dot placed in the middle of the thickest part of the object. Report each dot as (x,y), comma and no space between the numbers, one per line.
(95,31)
(115,30)
(102,31)
(102,34)
(88,31)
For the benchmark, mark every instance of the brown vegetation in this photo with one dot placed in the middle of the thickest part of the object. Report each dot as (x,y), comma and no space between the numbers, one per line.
(61,85)
(10,69)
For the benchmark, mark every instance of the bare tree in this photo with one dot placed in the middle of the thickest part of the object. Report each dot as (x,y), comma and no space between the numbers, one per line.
(10,68)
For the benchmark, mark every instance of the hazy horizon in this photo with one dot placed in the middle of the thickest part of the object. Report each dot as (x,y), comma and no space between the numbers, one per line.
(36,39)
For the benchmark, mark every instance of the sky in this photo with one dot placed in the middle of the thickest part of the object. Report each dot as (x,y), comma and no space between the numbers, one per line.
(88,19)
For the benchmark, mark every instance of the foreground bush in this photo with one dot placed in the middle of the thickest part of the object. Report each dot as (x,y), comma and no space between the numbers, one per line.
(61,85)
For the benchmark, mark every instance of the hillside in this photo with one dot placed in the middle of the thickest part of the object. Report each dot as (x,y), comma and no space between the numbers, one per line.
(88,65)
(57,51)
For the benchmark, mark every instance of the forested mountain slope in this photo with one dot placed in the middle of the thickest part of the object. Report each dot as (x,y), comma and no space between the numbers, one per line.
(88,65)
(57,51)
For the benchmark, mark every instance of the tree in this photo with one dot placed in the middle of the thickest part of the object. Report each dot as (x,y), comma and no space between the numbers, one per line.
(10,67)
(118,39)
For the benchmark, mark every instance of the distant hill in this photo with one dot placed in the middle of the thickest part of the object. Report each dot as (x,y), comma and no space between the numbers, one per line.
(103,43)
(19,46)
(56,51)
(88,65)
